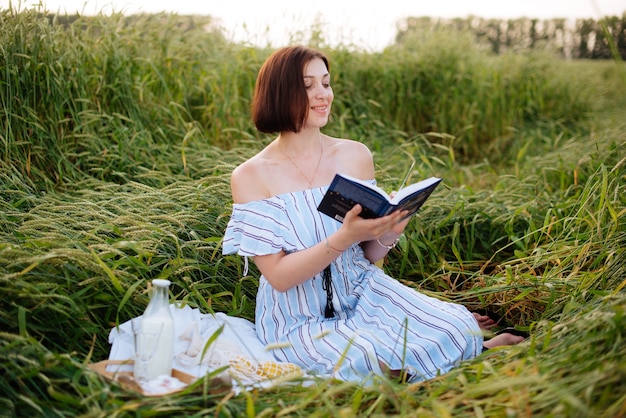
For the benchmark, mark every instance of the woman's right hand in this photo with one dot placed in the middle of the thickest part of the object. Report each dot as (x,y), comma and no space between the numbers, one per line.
(356,229)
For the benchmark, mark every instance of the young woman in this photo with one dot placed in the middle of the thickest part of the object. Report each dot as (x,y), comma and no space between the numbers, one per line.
(322,303)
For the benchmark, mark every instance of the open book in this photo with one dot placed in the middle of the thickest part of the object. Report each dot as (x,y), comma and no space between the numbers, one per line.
(344,192)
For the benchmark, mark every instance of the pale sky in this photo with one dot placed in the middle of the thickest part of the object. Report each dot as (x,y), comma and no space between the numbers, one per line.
(370,24)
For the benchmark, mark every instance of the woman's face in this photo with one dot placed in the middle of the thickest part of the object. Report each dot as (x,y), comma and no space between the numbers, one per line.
(317,83)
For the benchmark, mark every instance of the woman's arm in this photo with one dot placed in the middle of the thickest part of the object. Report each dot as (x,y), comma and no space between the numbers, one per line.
(284,271)
(378,248)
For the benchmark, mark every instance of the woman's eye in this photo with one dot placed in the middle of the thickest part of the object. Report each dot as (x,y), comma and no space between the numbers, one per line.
(312,85)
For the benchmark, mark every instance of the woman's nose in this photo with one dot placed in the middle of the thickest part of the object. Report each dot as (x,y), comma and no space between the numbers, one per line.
(320,91)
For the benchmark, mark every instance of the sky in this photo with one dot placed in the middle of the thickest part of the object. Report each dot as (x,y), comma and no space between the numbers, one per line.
(369,24)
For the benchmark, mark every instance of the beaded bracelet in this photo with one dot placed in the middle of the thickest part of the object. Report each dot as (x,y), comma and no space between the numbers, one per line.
(389,247)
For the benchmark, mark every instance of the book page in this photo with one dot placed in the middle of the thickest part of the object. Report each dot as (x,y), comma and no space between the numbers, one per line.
(412,188)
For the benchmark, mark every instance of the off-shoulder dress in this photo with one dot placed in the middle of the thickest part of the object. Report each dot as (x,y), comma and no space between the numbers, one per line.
(376,318)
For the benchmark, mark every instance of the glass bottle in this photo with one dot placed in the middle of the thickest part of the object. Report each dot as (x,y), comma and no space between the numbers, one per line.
(154,338)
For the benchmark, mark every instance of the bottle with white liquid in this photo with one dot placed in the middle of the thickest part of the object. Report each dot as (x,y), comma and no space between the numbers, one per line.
(154,338)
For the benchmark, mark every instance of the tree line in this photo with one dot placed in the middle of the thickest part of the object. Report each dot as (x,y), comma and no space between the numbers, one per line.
(571,39)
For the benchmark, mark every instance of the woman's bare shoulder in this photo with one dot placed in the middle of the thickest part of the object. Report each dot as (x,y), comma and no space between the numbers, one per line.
(247,181)
(349,145)
(352,157)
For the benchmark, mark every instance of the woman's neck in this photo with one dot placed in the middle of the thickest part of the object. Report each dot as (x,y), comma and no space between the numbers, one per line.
(304,144)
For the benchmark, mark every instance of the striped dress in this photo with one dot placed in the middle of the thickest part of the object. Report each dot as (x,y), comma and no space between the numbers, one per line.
(377,319)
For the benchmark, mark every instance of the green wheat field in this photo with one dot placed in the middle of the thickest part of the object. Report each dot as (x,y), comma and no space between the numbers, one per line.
(118,136)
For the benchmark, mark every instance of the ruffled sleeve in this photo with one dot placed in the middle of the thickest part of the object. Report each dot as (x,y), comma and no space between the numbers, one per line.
(258,228)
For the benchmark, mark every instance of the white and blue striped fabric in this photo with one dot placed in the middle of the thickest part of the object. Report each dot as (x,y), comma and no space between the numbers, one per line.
(378,319)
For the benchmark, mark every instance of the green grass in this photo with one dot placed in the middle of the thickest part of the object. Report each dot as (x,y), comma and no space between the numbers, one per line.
(118,137)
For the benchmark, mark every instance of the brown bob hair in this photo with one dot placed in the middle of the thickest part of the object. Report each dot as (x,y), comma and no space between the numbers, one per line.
(280,102)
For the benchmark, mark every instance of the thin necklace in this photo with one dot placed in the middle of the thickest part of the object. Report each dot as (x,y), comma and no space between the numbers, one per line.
(317,166)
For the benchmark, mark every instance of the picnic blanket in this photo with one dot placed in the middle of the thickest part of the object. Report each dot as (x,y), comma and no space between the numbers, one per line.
(212,342)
